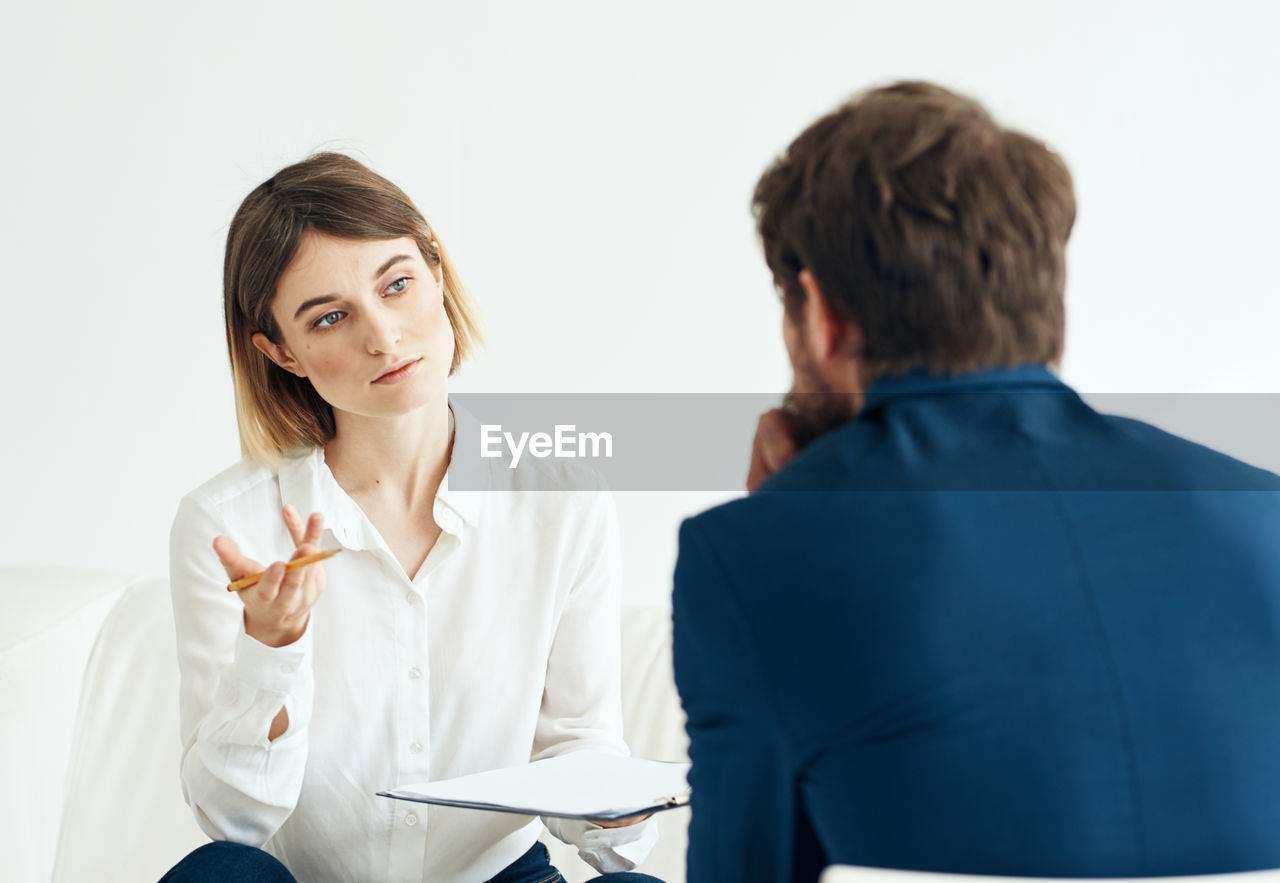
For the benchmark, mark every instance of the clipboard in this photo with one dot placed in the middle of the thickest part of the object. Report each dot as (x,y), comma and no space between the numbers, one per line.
(586,784)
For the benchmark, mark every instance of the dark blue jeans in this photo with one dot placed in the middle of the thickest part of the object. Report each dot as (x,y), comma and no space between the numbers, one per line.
(535,867)
(221,862)
(228,861)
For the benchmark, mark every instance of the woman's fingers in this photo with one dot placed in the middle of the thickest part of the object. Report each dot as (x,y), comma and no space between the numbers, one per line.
(620,823)
(273,614)
(298,587)
(266,590)
(278,606)
(236,565)
(303,551)
(293,579)
(302,532)
(226,550)
(294,523)
(315,530)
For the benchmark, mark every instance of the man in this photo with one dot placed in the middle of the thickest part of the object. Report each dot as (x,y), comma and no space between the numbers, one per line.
(974,626)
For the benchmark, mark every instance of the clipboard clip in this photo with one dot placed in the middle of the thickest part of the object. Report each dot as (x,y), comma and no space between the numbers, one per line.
(673,800)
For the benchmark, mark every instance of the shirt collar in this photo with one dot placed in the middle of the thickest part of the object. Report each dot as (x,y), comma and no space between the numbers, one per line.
(308,486)
(299,476)
(919,382)
(469,503)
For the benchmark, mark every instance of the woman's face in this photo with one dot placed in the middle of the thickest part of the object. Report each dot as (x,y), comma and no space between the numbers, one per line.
(364,321)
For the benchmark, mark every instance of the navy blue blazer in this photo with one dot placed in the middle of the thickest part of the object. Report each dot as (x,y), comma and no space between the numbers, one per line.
(983,628)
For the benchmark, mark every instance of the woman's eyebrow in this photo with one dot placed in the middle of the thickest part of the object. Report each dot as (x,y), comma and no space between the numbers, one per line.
(326,298)
(391,262)
(311,302)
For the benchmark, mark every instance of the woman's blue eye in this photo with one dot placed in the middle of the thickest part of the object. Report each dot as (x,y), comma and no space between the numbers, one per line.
(328,320)
(399,285)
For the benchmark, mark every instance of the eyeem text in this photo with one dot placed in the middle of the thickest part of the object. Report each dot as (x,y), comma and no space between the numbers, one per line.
(566,442)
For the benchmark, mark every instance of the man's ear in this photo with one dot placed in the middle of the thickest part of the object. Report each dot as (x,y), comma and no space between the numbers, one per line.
(827,335)
(277,353)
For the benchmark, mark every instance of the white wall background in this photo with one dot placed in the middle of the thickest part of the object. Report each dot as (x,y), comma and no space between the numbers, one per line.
(589,165)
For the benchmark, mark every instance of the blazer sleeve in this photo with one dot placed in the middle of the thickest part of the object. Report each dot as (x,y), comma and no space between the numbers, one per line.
(747,816)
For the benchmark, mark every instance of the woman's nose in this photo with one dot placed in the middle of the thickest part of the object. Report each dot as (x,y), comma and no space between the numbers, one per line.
(382,332)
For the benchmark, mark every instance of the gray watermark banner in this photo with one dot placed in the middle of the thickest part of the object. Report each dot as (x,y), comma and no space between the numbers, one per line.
(702,441)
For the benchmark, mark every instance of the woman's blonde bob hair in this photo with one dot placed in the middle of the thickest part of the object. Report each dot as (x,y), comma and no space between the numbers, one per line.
(325,193)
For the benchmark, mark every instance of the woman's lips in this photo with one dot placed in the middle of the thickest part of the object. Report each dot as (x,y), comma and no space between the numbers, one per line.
(395,375)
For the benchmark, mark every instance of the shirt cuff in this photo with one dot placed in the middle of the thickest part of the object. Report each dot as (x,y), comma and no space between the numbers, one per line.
(608,850)
(259,681)
(273,669)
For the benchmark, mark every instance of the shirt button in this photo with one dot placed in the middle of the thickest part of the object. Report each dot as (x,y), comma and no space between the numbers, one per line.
(411,820)
(415,673)
(289,667)
(415,747)
(411,598)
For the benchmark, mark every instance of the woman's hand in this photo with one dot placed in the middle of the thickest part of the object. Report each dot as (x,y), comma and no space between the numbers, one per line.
(277,608)
(620,823)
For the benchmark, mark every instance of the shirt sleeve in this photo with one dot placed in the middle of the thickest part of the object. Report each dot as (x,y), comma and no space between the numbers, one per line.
(582,699)
(240,785)
(608,850)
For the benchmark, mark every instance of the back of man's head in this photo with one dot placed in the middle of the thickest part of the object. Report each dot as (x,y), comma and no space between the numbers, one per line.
(940,234)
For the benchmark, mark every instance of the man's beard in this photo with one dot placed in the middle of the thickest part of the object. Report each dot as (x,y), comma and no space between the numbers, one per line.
(812,408)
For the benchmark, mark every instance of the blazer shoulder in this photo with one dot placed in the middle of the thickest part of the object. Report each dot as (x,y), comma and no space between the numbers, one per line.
(1209,467)
(738,517)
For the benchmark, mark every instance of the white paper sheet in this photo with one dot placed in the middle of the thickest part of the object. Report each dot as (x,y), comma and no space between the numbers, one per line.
(579,785)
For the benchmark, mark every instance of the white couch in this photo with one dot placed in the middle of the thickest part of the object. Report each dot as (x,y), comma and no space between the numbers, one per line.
(89,730)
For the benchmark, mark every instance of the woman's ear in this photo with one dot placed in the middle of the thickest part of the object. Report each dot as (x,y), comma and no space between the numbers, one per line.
(278,353)
(438,269)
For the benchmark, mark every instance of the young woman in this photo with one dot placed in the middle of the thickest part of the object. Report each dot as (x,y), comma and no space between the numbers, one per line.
(458,631)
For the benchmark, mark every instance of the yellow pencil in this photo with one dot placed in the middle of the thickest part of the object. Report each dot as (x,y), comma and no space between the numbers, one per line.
(252,579)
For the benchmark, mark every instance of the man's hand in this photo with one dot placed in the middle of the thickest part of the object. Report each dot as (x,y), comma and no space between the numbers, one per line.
(276,610)
(772,448)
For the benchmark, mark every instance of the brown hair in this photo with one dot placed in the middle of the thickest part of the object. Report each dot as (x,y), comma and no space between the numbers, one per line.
(938,233)
(327,193)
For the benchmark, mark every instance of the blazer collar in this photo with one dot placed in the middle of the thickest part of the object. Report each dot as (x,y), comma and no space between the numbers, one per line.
(919,382)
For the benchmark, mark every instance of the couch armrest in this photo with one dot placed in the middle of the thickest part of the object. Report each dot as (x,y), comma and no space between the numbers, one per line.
(124,818)
(51,619)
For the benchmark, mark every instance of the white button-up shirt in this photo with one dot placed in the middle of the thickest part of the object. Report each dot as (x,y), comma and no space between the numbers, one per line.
(503,648)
